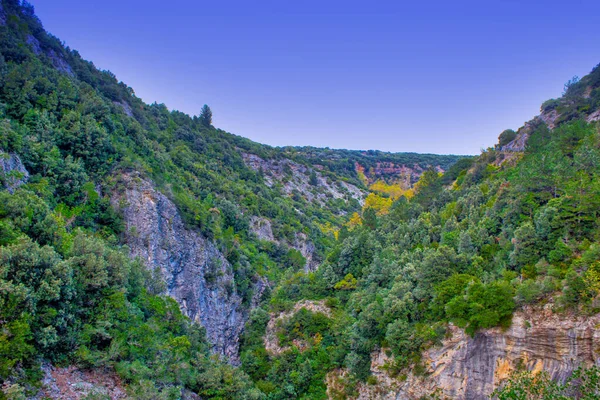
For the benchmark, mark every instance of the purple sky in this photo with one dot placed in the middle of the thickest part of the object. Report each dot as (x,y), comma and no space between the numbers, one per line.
(437,76)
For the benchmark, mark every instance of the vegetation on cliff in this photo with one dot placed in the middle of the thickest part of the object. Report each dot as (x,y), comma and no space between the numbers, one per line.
(473,239)
(68,291)
(469,247)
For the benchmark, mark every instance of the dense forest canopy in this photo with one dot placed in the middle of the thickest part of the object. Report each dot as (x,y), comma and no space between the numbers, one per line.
(467,242)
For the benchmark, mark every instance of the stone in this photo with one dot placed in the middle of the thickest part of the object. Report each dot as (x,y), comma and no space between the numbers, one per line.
(261,227)
(470,368)
(12,171)
(195,272)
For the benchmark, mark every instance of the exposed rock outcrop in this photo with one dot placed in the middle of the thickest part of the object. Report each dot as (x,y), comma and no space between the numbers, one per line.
(12,171)
(57,60)
(307,249)
(466,368)
(34,44)
(60,63)
(196,274)
(261,227)
(125,107)
(2,16)
(550,118)
(595,116)
(71,383)
(403,174)
(296,177)
(270,339)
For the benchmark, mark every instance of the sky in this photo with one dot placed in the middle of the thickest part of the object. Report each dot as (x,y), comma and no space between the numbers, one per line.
(421,76)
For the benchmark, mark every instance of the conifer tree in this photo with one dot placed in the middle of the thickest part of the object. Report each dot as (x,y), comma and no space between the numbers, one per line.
(206,116)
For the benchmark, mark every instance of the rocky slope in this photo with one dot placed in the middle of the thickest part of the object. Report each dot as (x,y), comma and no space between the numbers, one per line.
(195,273)
(470,368)
(295,177)
(72,383)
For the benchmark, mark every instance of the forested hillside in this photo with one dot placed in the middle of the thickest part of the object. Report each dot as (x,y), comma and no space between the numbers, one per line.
(78,149)
(177,260)
(517,226)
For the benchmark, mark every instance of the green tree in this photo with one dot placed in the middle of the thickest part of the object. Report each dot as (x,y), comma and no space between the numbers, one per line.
(313,179)
(206,116)
(506,137)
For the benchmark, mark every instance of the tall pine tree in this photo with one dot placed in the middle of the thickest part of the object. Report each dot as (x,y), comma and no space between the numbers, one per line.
(206,116)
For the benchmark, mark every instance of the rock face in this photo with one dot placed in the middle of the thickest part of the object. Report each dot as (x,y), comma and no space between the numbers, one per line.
(12,171)
(466,368)
(307,249)
(2,16)
(71,383)
(125,107)
(549,118)
(57,60)
(261,227)
(296,177)
(595,116)
(270,339)
(406,175)
(196,274)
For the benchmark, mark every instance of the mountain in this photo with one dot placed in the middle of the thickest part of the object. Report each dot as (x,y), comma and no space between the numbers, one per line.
(135,241)
(481,282)
(146,254)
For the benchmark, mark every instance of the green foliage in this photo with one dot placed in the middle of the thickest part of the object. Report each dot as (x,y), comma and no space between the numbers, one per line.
(348,283)
(468,247)
(506,137)
(482,306)
(469,253)
(584,384)
(304,325)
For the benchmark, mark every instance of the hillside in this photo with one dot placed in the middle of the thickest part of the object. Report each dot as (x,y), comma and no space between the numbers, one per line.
(144,253)
(483,278)
(136,240)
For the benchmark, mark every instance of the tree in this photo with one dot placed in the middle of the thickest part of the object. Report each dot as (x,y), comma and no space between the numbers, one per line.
(313,179)
(569,84)
(206,116)
(506,137)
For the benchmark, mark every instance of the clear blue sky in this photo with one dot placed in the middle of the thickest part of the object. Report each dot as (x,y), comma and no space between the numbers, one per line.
(425,76)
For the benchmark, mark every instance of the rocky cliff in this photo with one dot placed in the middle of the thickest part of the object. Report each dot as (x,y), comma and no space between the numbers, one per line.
(196,274)
(12,171)
(470,368)
(295,179)
(406,175)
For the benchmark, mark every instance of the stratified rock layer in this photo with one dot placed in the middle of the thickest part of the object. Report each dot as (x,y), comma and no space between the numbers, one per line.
(467,368)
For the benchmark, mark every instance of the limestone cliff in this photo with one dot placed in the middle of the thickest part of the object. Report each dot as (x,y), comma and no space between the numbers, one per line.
(196,274)
(295,178)
(467,368)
